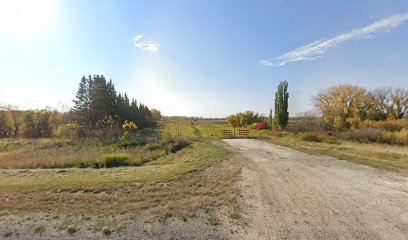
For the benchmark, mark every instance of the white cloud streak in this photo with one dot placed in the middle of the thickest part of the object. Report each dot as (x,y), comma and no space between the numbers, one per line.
(319,48)
(145,46)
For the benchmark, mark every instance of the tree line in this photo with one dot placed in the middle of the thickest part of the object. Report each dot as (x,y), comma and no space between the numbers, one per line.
(30,123)
(348,106)
(97,99)
(97,105)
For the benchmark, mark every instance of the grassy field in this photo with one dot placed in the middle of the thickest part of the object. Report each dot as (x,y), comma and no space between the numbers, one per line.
(198,178)
(54,153)
(42,179)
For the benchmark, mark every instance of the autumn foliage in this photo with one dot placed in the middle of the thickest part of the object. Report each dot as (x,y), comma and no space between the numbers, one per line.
(262,125)
(348,106)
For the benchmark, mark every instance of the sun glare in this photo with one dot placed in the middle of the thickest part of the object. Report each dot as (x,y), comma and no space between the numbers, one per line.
(26,16)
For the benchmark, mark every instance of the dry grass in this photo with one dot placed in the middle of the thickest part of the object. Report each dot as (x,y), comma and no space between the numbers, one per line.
(53,153)
(176,185)
(384,156)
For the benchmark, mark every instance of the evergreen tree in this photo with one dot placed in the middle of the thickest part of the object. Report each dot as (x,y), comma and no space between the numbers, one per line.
(82,102)
(270,119)
(281,105)
(97,99)
(99,105)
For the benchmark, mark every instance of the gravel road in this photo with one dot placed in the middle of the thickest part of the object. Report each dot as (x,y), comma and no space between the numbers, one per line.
(294,195)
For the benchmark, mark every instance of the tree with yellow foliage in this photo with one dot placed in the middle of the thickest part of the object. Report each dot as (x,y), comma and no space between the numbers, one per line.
(342,106)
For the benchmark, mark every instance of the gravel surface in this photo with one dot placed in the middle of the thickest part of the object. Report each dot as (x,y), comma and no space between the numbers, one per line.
(294,195)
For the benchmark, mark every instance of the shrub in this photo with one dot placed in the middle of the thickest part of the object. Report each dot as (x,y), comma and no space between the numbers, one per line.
(400,137)
(127,144)
(387,125)
(262,125)
(330,140)
(361,135)
(115,160)
(177,145)
(153,146)
(310,137)
(68,131)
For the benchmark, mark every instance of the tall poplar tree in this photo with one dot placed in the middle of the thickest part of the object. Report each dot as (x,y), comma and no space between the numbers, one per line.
(281,106)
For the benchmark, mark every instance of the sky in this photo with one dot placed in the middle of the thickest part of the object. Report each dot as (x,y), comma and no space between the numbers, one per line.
(208,58)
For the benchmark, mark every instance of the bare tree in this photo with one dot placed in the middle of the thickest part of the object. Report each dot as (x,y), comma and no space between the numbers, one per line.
(399,98)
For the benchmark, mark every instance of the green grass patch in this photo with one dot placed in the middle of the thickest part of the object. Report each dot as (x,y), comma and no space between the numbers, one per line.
(213,221)
(115,160)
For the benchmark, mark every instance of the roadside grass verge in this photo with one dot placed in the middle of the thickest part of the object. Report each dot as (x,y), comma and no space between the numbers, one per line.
(383,156)
(176,185)
(378,155)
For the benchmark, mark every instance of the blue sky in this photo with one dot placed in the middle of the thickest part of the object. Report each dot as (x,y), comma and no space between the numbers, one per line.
(202,58)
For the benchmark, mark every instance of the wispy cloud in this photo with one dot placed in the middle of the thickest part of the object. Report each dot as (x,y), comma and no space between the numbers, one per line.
(319,48)
(145,46)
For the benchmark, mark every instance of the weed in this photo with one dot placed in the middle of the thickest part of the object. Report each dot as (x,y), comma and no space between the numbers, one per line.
(213,221)
(71,230)
(235,215)
(106,232)
(39,230)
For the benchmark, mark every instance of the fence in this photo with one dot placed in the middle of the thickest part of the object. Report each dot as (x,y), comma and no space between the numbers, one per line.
(226,133)
(243,132)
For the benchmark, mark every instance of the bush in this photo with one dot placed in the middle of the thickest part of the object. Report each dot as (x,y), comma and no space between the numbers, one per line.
(68,131)
(127,144)
(330,140)
(361,135)
(387,125)
(153,146)
(262,125)
(177,145)
(115,160)
(400,137)
(310,137)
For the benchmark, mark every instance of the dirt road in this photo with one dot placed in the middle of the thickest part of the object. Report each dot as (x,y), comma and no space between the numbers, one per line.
(294,195)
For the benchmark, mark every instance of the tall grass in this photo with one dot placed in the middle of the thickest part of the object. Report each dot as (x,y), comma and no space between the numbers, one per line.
(55,154)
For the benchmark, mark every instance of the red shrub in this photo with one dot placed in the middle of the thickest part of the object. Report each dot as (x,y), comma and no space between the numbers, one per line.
(262,125)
